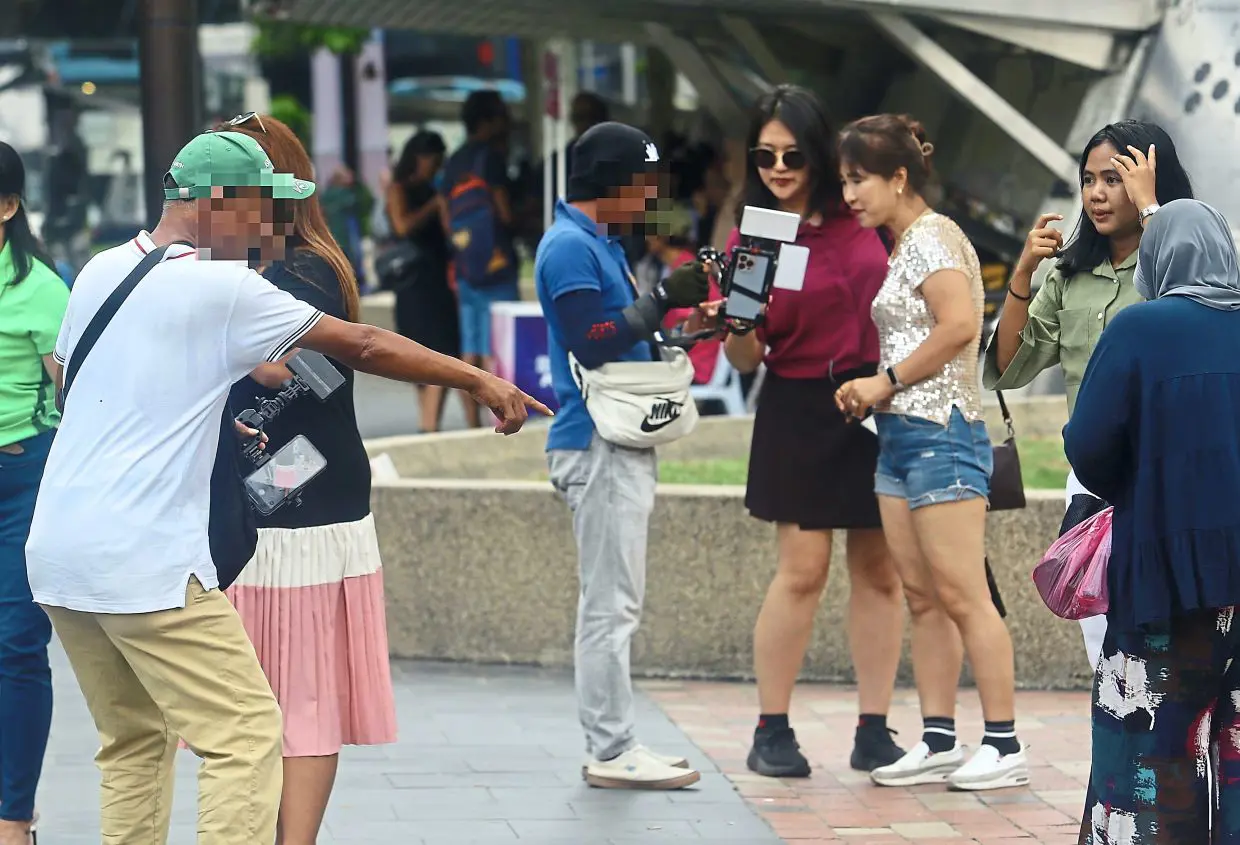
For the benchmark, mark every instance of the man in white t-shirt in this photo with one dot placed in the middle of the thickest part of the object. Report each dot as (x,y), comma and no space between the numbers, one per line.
(118,553)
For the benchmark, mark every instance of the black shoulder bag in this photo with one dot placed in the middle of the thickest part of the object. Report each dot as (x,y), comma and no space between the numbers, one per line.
(1007,488)
(232,529)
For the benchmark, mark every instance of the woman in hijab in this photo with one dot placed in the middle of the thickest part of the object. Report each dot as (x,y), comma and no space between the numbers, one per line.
(1156,432)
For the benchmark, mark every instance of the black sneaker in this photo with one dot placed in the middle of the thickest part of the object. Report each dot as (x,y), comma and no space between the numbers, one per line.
(776,754)
(874,748)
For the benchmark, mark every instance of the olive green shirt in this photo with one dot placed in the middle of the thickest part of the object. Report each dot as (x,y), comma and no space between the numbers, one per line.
(30,316)
(1066,318)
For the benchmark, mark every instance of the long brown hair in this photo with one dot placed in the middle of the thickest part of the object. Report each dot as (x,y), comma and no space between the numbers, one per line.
(310,229)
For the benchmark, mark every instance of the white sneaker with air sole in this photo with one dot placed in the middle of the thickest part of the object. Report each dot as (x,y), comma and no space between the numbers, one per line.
(637,768)
(920,765)
(988,769)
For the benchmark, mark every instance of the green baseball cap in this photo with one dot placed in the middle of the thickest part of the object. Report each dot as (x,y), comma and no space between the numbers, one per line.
(229,160)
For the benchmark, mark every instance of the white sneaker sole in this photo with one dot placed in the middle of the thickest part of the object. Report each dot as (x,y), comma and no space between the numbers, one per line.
(1005,780)
(679,764)
(939,774)
(680,782)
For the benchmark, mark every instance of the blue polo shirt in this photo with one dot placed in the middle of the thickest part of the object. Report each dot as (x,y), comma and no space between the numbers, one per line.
(574,256)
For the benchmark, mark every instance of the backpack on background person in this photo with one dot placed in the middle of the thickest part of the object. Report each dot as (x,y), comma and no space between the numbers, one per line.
(479,257)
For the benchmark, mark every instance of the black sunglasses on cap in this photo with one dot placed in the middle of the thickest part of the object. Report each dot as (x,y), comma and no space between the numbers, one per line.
(766,159)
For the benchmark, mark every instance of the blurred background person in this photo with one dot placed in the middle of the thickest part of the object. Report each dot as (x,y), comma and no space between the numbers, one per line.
(426,307)
(810,472)
(312,597)
(32,305)
(348,204)
(1091,281)
(935,456)
(475,183)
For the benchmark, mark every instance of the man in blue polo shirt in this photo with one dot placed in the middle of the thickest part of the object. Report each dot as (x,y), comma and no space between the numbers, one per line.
(593,311)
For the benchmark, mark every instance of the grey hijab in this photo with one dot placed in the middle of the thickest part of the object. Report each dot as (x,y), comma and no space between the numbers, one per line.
(1188,250)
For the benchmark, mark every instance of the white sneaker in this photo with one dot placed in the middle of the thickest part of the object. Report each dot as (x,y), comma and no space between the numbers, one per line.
(637,768)
(988,769)
(665,759)
(920,765)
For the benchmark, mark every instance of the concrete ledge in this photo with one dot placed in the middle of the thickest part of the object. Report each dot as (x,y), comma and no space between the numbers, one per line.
(485,571)
(481,566)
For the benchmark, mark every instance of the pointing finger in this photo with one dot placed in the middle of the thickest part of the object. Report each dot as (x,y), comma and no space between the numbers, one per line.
(531,402)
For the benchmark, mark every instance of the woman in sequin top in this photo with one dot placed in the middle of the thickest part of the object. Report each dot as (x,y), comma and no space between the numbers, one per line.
(935,457)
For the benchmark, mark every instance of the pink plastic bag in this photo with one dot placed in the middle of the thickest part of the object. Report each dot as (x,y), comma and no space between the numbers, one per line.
(1072,577)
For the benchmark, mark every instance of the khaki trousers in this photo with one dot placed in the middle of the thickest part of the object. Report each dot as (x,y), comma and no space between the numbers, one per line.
(188,673)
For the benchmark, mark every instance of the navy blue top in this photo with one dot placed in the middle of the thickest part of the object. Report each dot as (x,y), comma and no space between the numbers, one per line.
(574,256)
(1156,432)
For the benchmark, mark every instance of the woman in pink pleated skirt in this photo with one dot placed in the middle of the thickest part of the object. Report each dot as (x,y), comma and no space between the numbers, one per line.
(312,597)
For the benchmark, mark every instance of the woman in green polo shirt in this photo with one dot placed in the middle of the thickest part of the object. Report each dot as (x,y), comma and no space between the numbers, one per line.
(1092,279)
(32,305)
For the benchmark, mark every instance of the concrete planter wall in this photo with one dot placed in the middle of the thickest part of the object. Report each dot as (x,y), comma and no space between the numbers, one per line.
(480,564)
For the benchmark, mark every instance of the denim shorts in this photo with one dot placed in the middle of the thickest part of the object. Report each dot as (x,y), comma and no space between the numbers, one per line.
(928,463)
(475,313)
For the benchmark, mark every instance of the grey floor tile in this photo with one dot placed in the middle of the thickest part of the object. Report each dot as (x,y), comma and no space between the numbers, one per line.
(486,755)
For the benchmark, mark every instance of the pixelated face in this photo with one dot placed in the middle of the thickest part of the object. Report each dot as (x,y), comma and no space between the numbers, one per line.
(628,205)
(241,224)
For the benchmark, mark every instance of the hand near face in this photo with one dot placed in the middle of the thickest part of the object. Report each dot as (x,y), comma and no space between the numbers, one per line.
(1043,242)
(1140,174)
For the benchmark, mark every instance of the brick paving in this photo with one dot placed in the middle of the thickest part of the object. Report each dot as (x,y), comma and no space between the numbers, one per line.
(840,805)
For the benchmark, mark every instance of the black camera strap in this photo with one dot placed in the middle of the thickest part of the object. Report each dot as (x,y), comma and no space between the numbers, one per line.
(104,315)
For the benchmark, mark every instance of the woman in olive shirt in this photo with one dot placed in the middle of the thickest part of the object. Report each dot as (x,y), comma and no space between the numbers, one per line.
(32,305)
(1127,169)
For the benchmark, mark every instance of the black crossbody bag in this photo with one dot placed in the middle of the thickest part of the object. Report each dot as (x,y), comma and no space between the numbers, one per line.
(232,528)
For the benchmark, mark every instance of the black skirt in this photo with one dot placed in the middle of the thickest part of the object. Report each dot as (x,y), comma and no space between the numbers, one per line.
(808,466)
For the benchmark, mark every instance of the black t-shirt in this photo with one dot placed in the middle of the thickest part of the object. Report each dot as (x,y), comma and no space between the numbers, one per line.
(341,492)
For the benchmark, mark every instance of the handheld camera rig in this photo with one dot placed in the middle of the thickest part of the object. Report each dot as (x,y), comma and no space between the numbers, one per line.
(280,478)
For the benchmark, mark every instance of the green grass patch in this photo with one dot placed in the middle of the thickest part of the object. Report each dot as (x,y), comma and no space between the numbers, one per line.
(1042,464)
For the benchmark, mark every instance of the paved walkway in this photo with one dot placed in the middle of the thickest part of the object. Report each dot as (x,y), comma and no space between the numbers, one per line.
(486,755)
(492,755)
(840,805)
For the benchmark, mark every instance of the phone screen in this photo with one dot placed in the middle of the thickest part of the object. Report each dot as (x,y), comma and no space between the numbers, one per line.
(745,296)
(285,475)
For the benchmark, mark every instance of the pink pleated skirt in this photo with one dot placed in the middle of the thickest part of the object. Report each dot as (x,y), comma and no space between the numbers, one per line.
(312,603)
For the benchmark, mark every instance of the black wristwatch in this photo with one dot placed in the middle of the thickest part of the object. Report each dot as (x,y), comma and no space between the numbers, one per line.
(895,379)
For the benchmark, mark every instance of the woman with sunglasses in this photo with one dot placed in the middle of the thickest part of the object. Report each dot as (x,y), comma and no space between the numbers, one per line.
(32,305)
(312,597)
(810,472)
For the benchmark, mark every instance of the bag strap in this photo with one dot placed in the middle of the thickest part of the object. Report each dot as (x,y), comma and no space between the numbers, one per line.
(104,315)
(1007,415)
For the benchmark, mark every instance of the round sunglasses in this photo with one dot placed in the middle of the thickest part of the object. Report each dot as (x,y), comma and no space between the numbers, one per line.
(766,159)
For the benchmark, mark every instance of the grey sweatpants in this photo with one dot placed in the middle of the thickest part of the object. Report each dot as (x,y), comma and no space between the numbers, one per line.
(610,491)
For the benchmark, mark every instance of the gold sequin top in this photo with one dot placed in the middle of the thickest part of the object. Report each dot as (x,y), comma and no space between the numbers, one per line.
(904,320)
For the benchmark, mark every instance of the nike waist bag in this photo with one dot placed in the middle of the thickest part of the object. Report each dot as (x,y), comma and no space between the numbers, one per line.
(640,404)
